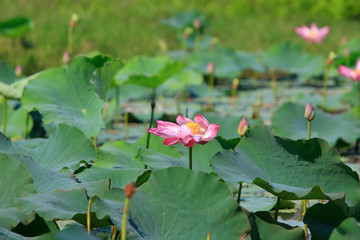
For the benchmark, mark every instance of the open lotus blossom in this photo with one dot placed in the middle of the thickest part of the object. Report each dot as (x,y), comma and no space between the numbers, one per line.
(312,34)
(353,74)
(187,131)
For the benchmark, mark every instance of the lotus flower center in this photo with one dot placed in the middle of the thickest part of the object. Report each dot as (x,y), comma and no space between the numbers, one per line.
(357,71)
(195,128)
(313,33)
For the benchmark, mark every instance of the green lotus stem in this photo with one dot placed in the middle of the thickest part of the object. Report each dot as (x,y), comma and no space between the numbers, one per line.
(88,215)
(117,107)
(184,48)
(27,125)
(4,114)
(208,236)
(326,74)
(115,232)
(70,39)
(94,143)
(123,224)
(197,40)
(239,193)
(277,209)
(126,125)
(211,90)
(357,106)
(153,104)
(309,130)
(190,157)
(274,86)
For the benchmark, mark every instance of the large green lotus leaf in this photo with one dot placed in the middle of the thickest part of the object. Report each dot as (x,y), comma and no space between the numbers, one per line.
(118,176)
(15,180)
(201,157)
(291,58)
(16,119)
(148,72)
(263,226)
(118,154)
(9,235)
(249,61)
(103,77)
(324,125)
(66,95)
(228,125)
(224,61)
(156,144)
(16,27)
(291,170)
(69,233)
(178,203)
(183,79)
(45,180)
(181,20)
(66,147)
(64,205)
(322,219)
(7,74)
(349,229)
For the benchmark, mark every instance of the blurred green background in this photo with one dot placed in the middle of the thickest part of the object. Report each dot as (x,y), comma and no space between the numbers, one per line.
(124,28)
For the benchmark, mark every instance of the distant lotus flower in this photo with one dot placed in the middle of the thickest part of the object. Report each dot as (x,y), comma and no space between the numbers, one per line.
(243,126)
(312,34)
(18,71)
(197,24)
(353,74)
(186,131)
(66,57)
(210,68)
(309,112)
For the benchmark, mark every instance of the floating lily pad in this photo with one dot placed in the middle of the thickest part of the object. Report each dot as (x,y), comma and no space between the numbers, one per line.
(289,169)
(65,95)
(187,213)
(288,121)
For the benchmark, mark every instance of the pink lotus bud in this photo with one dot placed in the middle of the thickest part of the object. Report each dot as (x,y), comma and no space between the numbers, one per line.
(130,190)
(243,126)
(18,71)
(343,41)
(210,68)
(309,112)
(66,57)
(197,24)
(347,52)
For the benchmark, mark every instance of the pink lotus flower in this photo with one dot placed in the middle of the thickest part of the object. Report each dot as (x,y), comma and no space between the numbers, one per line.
(186,131)
(312,34)
(353,74)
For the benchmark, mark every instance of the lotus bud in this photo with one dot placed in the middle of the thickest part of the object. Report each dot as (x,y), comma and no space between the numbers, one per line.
(309,112)
(343,41)
(66,57)
(130,190)
(347,52)
(235,83)
(187,32)
(210,68)
(18,71)
(197,24)
(74,19)
(213,42)
(243,126)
